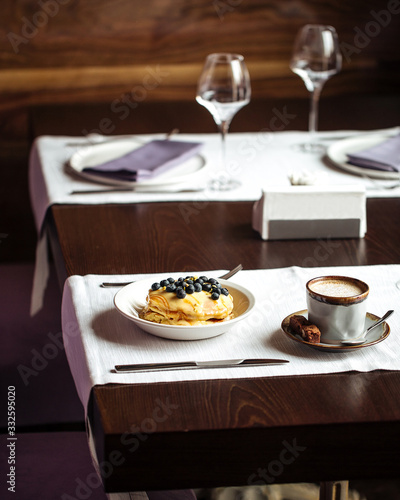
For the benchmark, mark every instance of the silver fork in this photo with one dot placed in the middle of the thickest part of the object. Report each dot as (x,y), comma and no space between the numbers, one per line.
(223,277)
(378,185)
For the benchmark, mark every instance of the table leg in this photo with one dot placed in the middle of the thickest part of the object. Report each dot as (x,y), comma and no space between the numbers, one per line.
(333,490)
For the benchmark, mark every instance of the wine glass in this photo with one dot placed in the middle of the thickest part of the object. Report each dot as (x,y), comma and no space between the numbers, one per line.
(223,89)
(316,58)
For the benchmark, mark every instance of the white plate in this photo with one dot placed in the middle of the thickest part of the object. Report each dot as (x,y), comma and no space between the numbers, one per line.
(376,335)
(189,173)
(131,299)
(338,151)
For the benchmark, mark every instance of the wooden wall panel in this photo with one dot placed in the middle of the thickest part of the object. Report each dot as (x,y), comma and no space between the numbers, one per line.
(126,32)
(60,51)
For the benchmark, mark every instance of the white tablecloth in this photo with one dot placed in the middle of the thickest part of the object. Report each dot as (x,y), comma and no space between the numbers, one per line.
(97,336)
(257,160)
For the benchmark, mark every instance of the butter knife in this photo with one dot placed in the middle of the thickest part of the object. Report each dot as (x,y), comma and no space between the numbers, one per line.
(190,365)
(99,191)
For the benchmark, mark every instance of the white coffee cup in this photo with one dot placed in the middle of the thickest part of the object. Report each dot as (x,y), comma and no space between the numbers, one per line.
(337,306)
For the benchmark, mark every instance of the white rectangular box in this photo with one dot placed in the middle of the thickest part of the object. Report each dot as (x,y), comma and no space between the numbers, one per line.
(309,212)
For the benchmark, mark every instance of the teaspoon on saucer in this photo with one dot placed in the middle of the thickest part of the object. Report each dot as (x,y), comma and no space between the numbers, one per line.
(361,339)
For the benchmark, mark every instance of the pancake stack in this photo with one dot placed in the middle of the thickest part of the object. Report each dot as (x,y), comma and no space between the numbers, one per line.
(188,301)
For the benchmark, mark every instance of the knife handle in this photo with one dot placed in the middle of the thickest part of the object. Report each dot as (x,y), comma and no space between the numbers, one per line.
(155,366)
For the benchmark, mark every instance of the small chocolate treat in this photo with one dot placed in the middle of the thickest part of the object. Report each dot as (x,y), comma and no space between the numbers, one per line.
(308,331)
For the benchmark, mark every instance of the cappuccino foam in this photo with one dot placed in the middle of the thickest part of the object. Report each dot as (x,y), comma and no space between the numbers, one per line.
(336,288)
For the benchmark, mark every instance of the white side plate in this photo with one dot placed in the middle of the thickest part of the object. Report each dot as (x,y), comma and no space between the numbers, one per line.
(338,151)
(190,172)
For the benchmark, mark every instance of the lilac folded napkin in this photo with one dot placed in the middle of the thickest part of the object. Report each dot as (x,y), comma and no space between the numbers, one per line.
(148,161)
(383,156)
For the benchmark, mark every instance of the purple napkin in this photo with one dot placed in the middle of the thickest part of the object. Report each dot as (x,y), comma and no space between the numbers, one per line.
(148,161)
(383,156)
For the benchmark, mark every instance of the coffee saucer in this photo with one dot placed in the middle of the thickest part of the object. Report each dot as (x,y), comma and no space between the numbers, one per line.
(378,334)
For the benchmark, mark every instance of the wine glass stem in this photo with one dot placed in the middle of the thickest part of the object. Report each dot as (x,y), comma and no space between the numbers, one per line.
(313,118)
(224,127)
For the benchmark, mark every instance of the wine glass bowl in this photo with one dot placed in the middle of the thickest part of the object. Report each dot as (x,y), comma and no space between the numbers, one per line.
(316,57)
(223,89)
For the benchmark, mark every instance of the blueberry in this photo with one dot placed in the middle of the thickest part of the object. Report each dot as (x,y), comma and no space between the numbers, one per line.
(213,281)
(199,280)
(181,294)
(225,291)
(204,278)
(164,282)
(189,289)
(171,280)
(197,287)
(189,281)
(170,288)
(215,295)
(206,287)
(155,286)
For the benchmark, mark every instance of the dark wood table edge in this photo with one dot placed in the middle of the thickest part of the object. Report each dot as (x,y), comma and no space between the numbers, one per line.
(210,453)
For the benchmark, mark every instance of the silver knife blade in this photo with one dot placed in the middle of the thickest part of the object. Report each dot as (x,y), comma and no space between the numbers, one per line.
(97,191)
(190,365)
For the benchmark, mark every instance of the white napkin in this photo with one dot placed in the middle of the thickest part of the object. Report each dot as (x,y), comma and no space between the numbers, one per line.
(97,336)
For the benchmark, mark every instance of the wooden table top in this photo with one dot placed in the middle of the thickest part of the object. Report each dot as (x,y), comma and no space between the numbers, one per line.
(231,432)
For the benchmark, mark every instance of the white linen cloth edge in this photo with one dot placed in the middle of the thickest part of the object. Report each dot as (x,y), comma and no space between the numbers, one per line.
(73,344)
(41,273)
